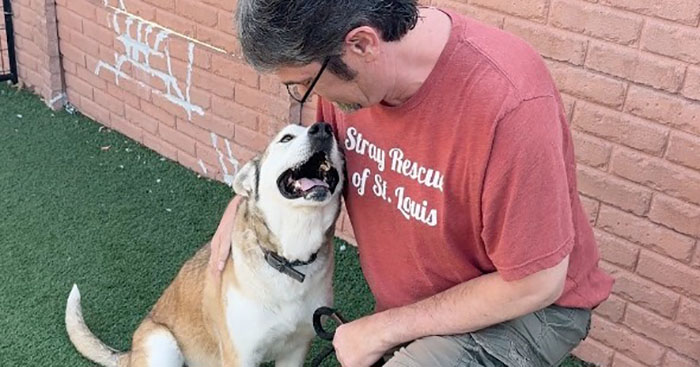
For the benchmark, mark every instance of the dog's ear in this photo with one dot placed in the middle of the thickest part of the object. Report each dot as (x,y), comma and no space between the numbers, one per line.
(246,181)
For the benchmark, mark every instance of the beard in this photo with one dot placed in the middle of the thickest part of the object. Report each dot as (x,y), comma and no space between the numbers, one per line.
(348,107)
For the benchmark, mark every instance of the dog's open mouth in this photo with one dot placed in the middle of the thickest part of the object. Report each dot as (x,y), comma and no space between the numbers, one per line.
(316,179)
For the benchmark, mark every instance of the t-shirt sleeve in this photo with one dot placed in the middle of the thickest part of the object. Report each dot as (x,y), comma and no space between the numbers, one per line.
(526,207)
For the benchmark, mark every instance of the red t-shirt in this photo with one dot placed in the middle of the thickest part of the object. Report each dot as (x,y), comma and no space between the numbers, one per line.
(475,173)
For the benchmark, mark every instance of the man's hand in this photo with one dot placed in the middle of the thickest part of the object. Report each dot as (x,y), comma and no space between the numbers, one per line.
(362,342)
(221,242)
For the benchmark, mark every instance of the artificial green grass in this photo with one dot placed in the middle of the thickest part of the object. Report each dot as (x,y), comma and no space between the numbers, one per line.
(83,204)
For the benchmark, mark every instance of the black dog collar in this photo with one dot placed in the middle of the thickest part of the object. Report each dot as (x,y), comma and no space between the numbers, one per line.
(286,267)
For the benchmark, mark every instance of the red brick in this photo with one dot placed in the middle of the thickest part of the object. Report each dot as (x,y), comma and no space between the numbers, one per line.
(644,293)
(73,54)
(551,43)
(125,127)
(176,138)
(69,19)
(680,43)
(213,123)
(225,5)
(670,273)
(528,9)
(676,214)
(193,131)
(226,23)
(162,102)
(142,10)
(664,331)
(691,89)
(658,174)
(250,138)
(625,341)
(636,66)
(265,103)
(94,111)
(217,38)
(99,33)
(208,155)
(82,8)
(157,144)
(696,258)
(227,67)
(78,85)
(197,11)
(176,23)
(114,105)
(140,119)
(192,163)
(596,21)
(675,360)
(590,206)
(201,56)
(123,95)
(163,4)
(612,190)
(684,149)
(592,351)
(612,309)
(157,113)
(270,84)
(616,250)
(491,17)
(587,85)
(215,84)
(689,314)
(620,128)
(663,108)
(621,361)
(591,151)
(642,232)
(681,11)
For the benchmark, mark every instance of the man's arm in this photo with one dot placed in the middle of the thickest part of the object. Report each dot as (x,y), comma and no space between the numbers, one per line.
(470,306)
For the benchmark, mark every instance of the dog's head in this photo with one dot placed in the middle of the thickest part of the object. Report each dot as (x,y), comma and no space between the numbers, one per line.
(302,166)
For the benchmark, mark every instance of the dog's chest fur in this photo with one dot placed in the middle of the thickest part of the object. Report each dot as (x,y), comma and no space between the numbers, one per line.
(272,313)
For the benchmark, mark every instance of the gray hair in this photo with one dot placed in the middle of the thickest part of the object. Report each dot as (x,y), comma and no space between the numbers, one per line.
(275,33)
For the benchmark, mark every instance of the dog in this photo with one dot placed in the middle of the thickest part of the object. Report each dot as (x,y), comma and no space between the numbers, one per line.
(279,272)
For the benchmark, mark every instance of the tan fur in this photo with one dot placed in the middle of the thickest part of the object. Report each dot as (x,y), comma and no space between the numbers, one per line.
(193,315)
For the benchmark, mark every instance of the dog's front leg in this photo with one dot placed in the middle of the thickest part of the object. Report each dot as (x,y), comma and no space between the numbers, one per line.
(295,358)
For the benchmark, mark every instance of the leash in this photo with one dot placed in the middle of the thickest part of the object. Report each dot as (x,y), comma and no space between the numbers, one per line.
(329,313)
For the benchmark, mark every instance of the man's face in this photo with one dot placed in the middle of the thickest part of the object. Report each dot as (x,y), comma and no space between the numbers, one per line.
(347,95)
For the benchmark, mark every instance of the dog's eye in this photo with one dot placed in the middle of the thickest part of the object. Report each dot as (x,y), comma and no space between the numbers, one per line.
(287,138)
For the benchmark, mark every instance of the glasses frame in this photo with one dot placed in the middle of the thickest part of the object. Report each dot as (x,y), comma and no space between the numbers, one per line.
(309,90)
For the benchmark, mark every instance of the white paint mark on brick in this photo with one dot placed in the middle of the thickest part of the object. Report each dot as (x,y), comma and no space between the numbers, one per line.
(228,178)
(138,53)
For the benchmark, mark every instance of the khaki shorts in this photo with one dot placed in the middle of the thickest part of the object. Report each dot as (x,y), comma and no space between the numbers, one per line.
(542,338)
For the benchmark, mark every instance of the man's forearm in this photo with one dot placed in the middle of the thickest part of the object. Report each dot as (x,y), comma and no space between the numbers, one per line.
(470,306)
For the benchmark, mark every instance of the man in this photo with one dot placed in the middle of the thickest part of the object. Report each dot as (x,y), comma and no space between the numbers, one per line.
(462,181)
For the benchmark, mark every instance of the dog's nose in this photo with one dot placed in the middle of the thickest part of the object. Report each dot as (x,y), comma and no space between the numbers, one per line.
(321,130)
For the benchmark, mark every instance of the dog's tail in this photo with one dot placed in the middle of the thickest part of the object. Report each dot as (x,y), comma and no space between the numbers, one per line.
(83,339)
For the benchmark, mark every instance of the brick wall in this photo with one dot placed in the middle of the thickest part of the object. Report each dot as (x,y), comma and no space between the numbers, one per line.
(168,73)
(38,60)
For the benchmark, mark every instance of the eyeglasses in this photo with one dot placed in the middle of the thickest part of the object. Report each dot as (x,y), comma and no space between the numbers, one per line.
(294,90)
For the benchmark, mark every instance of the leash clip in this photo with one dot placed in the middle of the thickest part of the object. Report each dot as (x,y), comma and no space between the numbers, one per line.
(283,266)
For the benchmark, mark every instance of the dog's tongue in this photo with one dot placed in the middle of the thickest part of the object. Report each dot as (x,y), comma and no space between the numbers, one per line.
(308,183)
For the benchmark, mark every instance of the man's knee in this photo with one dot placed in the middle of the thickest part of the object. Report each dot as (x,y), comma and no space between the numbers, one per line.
(442,351)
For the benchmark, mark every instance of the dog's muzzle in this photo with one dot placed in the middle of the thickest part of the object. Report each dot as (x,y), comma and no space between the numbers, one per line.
(316,179)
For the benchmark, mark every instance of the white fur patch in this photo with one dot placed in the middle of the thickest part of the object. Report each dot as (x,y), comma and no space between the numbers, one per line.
(163,350)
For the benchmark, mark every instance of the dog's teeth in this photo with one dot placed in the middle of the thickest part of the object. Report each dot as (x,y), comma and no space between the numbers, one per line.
(325,166)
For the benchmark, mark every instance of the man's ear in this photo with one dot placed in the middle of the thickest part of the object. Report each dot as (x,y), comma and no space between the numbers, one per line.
(245,182)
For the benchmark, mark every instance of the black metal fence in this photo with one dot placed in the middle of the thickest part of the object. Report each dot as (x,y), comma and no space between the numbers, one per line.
(8,60)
